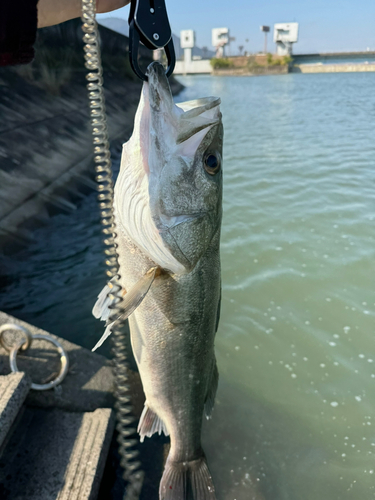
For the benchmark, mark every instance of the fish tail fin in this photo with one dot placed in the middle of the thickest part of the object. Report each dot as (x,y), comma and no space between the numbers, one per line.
(187,481)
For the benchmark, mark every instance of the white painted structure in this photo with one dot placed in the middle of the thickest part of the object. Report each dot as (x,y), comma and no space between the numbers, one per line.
(284,35)
(220,38)
(187,39)
(193,67)
(190,65)
(187,42)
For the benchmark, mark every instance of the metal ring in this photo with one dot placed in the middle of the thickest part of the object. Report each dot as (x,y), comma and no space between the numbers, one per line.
(13,326)
(63,358)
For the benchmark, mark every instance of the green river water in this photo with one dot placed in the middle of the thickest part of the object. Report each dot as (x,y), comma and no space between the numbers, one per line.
(295,408)
(294,417)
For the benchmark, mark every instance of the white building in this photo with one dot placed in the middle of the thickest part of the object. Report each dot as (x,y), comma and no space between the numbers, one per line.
(220,38)
(193,60)
(284,35)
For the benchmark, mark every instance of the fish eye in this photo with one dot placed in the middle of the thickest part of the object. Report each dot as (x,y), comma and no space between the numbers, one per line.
(212,163)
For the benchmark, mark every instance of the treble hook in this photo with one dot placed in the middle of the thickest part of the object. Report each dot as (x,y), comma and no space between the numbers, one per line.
(149,24)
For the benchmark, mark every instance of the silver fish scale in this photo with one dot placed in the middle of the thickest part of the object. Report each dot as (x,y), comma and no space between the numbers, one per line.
(168,212)
(172,334)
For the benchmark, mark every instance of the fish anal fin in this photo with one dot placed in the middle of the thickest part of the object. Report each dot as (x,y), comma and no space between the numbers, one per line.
(149,423)
(211,393)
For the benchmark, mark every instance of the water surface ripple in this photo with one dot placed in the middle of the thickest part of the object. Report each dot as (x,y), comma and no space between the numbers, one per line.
(294,417)
(296,350)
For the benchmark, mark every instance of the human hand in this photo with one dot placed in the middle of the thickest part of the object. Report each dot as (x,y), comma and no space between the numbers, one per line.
(52,12)
(108,5)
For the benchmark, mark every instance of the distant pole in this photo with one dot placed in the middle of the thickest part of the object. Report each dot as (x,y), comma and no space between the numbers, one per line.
(265,30)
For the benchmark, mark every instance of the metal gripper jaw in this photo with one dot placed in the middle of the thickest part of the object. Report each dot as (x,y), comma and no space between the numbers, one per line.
(149,24)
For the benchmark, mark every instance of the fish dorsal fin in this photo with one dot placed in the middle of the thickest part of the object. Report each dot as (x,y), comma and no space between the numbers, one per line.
(132,300)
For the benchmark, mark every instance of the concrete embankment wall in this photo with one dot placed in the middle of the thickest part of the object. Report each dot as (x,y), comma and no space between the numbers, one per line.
(258,71)
(240,65)
(258,59)
(195,67)
(46,146)
(333,68)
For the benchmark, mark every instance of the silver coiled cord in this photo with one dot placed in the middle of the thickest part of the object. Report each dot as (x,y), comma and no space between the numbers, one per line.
(102,158)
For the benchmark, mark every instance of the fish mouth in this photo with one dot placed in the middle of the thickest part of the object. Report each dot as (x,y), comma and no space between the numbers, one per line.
(185,119)
(157,80)
(170,221)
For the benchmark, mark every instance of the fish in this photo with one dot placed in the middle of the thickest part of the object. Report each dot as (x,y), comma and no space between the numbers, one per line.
(168,213)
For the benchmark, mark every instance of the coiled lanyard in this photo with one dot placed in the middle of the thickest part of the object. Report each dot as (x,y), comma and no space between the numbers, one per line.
(148,24)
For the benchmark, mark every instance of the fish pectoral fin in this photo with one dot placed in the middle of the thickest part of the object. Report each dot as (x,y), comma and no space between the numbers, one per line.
(211,393)
(101,309)
(137,293)
(149,423)
(131,301)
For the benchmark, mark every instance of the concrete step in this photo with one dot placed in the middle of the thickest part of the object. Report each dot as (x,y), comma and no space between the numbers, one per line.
(13,391)
(88,385)
(56,455)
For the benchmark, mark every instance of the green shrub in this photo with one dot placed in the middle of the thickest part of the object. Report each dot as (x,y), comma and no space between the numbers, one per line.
(253,65)
(220,63)
(287,60)
(278,62)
